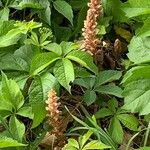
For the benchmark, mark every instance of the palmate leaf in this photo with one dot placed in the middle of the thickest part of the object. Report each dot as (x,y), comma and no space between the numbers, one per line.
(38,95)
(84,59)
(137,94)
(9,142)
(64,8)
(64,72)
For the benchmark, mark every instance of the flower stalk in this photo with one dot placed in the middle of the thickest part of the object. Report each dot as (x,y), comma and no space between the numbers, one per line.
(89,31)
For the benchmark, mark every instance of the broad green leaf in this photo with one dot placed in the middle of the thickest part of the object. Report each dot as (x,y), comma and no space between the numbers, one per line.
(9,142)
(64,8)
(26,111)
(28,4)
(11,93)
(67,47)
(10,38)
(129,121)
(89,97)
(109,89)
(116,130)
(134,12)
(41,61)
(139,50)
(54,47)
(64,72)
(4,14)
(82,72)
(136,73)
(84,59)
(136,95)
(113,8)
(38,94)
(137,8)
(19,60)
(144,31)
(107,76)
(17,128)
(95,144)
(19,77)
(103,112)
(85,82)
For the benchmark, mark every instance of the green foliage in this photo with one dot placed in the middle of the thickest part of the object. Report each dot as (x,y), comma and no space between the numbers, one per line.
(36,56)
(119,117)
(63,55)
(98,84)
(82,144)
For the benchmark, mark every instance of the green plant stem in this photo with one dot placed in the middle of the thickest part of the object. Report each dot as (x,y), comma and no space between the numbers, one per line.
(147,134)
(133,137)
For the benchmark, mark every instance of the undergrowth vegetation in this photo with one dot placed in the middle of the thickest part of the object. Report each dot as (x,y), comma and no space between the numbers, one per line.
(75,74)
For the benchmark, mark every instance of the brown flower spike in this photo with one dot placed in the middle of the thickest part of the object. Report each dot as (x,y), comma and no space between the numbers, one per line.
(53,112)
(89,31)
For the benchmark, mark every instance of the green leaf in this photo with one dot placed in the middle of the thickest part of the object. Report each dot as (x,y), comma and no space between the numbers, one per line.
(144,148)
(19,77)
(41,61)
(102,113)
(28,4)
(4,14)
(116,130)
(136,95)
(110,89)
(73,143)
(64,72)
(89,97)
(137,8)
(107,76)
(84,59)
(113,8)
(54,47)
(9,142)
(26,111)
(83,139)
(136,73)
(95,144)
(144,31)
(38,94)
(113,105)
(139,50)
(129,121)
(64,8)
(17,128)
(67,47)
(85,82)
(11,93)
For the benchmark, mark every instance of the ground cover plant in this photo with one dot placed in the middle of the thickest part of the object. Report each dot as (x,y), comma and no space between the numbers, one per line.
(74,74)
